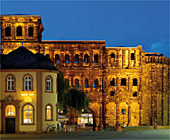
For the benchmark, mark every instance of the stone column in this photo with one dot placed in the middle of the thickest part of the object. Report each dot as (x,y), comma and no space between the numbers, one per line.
(129,115)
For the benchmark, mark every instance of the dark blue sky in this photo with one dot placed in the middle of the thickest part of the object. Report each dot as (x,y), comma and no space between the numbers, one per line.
(123,23)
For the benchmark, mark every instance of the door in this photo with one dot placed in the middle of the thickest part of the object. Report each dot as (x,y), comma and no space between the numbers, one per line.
(10,125)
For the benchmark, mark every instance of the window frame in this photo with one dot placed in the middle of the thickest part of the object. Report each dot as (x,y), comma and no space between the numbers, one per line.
(8,27)
(10,111)
(125,82)
(51,119)
(49,91)
(136,82)
(6,83)
(33,112)
(28,85)
(32,31)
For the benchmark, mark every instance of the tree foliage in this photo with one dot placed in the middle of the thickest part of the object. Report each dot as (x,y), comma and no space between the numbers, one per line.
(70,98)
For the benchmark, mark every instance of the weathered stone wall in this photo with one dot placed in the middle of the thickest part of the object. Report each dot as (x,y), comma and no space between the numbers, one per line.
(146,102)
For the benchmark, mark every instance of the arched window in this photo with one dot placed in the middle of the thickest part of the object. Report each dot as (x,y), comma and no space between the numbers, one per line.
(48,84)
(57,58)
(123,82)
(76,58)
(96,83)
(10,83)
(27,83)
(10,110)
(112,93)
(132,56)
(67,59)
(86,58)
(135,82)
(19,31)
(48,112)
(76,83)
(135,94)
(96,58)
(86,83)
(30,31)
(28,113)
(112,55)
(8,31)
(112,83)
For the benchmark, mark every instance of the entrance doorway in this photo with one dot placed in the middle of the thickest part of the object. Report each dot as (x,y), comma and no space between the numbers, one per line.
(86,120)
(10,125)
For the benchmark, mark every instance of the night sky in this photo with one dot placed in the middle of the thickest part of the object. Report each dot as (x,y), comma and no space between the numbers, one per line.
(119,23)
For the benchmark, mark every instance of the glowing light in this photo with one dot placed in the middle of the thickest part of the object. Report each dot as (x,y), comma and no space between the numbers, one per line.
(27,93)
(27,99)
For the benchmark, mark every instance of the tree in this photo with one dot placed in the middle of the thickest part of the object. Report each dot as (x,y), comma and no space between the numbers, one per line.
(71,100)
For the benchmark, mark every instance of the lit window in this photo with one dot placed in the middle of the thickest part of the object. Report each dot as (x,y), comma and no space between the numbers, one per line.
(48,112)
(7,31)
(10,83)
(48,84)
(112,83)
(19,31)
(10,110)
(28,114)
(27,83)
(135,82)
(30,31)
(123,82)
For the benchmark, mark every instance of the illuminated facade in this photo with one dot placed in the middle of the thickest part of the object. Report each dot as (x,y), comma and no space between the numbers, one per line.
(28,92)
(114,78)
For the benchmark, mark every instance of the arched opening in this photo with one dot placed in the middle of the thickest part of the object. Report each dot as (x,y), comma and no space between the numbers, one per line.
(96,58)
(132,56)
(67,59)
(57,58)
(86,83)
(86,58)
(76,83)
(86,120)
(8,31)
(135,82)
(19,31)
(96,83)
(30,31)
(76,58)
(112,83)
(123,82)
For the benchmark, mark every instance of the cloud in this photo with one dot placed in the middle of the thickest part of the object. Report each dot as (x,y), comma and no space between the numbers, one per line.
(162,46)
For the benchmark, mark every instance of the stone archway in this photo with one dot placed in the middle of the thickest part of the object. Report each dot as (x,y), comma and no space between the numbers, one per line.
(111,114)
(134,114)
(123,105)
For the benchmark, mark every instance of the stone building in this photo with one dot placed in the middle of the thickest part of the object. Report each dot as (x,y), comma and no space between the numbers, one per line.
(115,78)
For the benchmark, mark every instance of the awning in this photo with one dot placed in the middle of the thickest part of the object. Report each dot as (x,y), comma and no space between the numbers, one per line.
(62,118)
